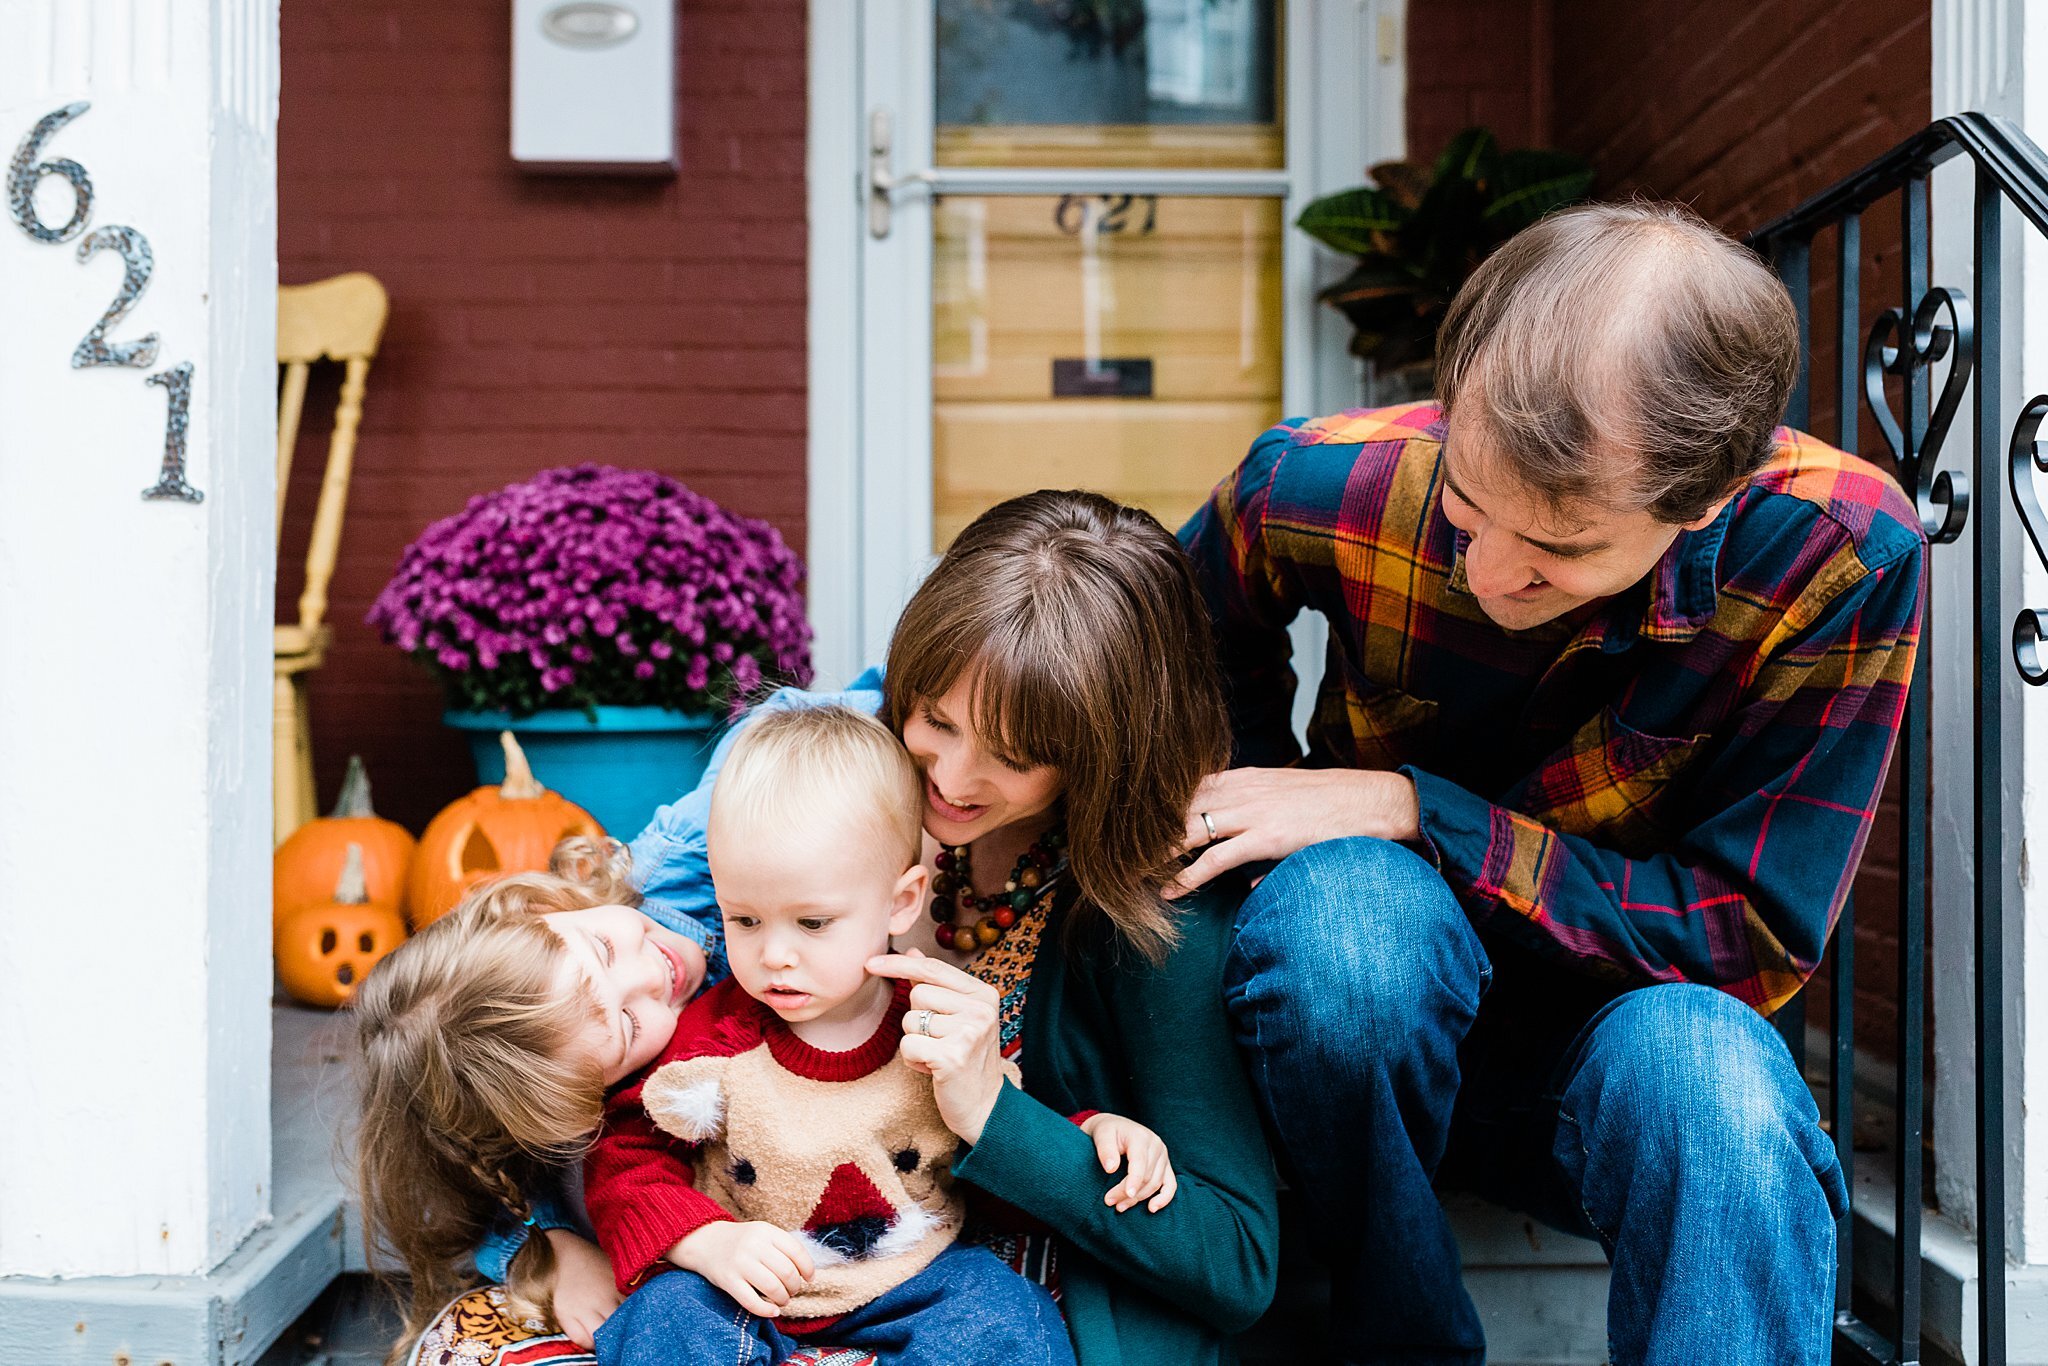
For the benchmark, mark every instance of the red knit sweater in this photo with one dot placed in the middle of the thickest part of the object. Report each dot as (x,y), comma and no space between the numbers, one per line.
(637,1181)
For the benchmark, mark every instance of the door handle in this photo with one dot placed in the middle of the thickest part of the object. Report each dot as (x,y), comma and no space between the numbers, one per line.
(883,181)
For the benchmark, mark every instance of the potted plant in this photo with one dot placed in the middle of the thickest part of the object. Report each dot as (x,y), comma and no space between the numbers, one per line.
(1418,232)
(612,619)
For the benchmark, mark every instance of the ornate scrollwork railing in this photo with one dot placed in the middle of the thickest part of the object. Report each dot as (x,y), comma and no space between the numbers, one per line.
(1933,324)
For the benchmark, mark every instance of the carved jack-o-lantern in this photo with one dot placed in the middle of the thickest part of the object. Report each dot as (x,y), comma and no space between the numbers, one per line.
(306,867)
(512,828)
(325,952)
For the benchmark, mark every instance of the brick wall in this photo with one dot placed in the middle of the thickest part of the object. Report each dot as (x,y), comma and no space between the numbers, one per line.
(535,320)
(1740,111)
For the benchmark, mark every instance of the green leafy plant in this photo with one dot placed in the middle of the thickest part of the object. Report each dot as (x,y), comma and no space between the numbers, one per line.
(1418,232)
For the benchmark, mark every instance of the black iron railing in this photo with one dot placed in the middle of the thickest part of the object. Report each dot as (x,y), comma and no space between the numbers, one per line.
(1932,324)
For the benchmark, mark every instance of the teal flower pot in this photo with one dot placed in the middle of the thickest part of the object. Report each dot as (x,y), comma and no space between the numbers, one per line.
(619,767)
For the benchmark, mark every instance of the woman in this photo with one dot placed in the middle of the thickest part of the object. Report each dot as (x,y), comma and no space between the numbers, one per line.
(1054,680)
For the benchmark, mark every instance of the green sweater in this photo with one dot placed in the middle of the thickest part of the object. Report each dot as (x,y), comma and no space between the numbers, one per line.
(1104,1030)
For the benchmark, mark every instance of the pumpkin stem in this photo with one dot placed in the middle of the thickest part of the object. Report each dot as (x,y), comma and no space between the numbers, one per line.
(520,784)
(354,801)
(353,889)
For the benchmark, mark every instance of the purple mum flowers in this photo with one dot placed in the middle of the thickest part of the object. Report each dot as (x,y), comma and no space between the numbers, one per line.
(593,586)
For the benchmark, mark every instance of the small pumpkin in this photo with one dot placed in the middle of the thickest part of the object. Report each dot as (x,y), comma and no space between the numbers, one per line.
(325,952)
(307,866)
(511,828)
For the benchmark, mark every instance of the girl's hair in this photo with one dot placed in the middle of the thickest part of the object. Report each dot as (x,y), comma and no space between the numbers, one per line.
(1081,624)
(789,766)
(471,1096)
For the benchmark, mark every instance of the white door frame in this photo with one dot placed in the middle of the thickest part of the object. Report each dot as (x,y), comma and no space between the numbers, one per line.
(870,397)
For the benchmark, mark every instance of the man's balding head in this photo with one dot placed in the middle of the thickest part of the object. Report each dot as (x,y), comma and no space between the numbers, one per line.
(1625,355)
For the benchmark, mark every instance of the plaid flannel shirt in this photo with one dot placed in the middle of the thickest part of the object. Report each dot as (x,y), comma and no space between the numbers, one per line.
(1676,787)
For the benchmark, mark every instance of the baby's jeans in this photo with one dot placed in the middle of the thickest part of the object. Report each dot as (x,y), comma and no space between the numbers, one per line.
(965,1306)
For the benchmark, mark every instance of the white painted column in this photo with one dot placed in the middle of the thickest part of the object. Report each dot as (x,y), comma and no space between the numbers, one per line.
(134,688)
(1982,53)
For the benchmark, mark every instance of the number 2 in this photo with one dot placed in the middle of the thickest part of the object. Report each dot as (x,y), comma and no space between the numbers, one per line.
(138,264)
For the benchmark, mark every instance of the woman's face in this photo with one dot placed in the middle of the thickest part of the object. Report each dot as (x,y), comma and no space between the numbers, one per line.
(970,785)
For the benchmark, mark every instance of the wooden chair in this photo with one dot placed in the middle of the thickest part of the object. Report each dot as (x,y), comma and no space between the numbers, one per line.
(340,319)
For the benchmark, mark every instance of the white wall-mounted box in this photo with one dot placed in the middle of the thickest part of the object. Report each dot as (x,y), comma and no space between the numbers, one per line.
(594,85)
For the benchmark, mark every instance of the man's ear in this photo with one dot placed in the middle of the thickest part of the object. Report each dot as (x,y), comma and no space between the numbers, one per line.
(907,905)
(1706,519)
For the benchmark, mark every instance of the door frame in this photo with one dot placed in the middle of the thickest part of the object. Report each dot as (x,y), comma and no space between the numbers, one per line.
(868,409)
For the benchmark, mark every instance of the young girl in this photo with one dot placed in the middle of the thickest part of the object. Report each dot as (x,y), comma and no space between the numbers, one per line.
(480,1092)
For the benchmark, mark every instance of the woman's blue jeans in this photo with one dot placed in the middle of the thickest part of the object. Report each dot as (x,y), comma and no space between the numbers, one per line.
(966,1306)
(1392,1049)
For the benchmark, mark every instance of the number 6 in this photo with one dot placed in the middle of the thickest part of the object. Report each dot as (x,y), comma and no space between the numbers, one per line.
(24,171)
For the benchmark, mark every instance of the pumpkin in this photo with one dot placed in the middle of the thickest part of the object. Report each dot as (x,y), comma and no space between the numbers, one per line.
(307,866)
(325,952)
(511,828)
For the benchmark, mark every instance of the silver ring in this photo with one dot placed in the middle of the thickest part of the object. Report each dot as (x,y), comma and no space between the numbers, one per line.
(924,1024)
(1208,825)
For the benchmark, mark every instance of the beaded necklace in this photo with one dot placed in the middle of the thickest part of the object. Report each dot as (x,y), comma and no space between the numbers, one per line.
(969,921)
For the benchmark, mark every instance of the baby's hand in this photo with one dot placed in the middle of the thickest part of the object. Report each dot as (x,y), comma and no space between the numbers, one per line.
(1150,1175)
(759,1265)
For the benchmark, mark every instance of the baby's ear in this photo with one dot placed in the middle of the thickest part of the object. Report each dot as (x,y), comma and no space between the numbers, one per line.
(906,908)
(687,1098)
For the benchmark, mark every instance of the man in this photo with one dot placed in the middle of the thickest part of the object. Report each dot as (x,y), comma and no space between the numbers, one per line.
(1615,668)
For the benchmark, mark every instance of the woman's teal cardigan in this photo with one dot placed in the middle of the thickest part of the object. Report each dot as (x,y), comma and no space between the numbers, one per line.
(1105,1030)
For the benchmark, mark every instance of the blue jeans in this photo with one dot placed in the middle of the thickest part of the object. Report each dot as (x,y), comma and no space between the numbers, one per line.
(965,1306)
(1393,1050)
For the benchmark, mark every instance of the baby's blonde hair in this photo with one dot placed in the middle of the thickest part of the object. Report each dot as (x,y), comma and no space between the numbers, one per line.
(787,766)
(471,1094)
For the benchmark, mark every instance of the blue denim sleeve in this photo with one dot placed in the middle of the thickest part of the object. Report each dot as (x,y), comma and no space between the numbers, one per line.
(494,1256)
(671,862)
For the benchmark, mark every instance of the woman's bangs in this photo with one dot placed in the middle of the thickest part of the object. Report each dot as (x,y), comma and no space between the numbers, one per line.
(1026,705)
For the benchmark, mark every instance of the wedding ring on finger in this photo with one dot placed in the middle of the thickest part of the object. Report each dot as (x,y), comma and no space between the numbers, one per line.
(1208,825)
(924,1023)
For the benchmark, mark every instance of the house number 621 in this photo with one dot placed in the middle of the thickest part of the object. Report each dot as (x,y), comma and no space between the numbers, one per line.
(24,173)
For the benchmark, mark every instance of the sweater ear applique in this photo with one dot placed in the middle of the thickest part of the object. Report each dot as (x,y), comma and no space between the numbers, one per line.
(688,1098)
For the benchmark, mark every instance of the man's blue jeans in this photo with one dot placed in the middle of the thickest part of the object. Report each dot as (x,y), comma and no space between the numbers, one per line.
(966,1306)
(1391,1047)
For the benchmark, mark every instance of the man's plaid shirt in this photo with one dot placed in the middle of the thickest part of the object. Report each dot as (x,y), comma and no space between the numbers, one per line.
(1674,788)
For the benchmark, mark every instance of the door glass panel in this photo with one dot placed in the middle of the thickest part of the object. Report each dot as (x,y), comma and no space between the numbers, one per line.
(1117,83)
(1122,343)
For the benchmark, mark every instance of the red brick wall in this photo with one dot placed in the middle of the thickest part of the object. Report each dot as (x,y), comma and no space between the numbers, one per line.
(1478,62)
(535,320)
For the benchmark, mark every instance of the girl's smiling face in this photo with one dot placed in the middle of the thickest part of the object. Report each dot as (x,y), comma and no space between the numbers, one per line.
(971,785)
(640,976)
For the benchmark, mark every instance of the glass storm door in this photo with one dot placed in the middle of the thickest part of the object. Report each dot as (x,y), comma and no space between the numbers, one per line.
(1076,267)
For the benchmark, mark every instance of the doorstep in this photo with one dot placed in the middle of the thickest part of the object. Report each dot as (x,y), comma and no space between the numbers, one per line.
(230,1316)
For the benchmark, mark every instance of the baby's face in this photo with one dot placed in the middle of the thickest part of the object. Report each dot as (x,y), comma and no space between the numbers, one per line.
(804,911)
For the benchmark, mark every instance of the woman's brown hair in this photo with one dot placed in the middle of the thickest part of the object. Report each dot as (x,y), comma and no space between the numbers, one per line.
(1082,627)
(471,1095)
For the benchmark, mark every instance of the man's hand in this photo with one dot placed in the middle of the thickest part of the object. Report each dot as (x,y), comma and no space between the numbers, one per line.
(1268,813)
(758,1264)
(585,1291)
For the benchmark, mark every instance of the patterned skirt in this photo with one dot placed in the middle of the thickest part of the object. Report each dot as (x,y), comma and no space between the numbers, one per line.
(477,1329)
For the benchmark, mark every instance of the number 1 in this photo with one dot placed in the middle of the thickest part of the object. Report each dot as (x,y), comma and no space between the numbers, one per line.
(170,478)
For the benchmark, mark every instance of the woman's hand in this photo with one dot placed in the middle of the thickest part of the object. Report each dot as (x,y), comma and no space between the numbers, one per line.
(1267,813)
(585,1290)
(950,1033)
(1149,1176)
(759,1265)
